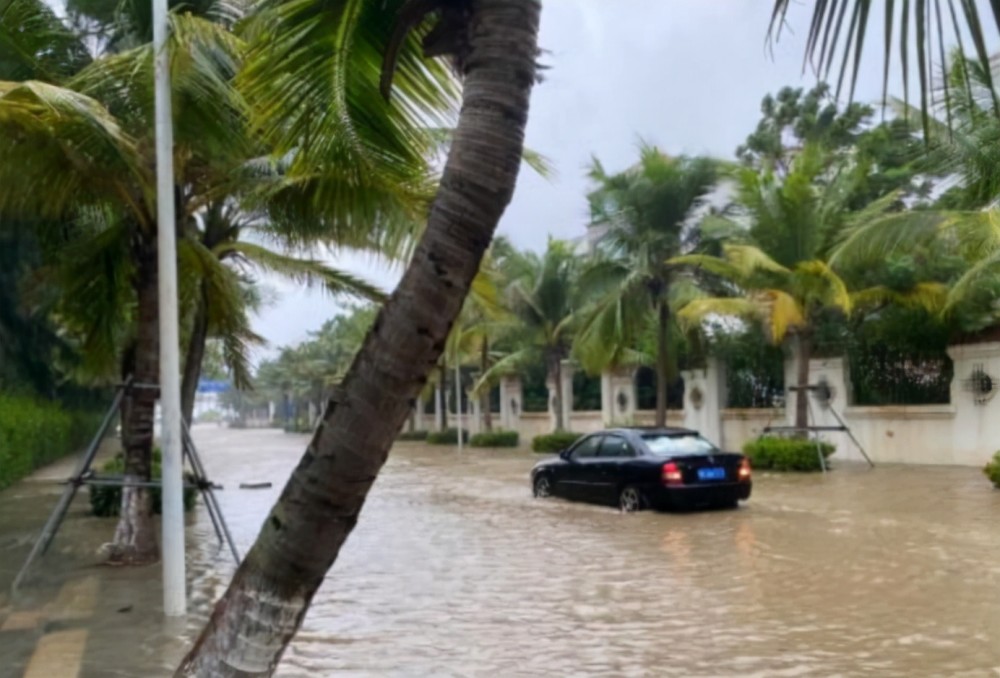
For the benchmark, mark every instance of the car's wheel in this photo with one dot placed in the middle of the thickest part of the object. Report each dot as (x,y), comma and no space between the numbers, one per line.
(542,487)
(630,499)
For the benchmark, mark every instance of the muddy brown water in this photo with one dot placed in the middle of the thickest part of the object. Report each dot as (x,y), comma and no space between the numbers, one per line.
(454,570)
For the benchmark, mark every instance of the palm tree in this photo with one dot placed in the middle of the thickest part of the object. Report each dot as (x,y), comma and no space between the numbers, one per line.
(793,221)
(482,316)
(270,593)
(645,215)
(101,186)
(300,540)
(541,298)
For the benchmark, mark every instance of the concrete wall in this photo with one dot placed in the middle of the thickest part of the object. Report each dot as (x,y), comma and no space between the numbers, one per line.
(964,432)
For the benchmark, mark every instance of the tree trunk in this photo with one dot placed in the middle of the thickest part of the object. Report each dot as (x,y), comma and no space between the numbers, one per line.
(192,360)
(319,506)
(135,538)
(804,349)
(662,366)
(484,398)
(556,371)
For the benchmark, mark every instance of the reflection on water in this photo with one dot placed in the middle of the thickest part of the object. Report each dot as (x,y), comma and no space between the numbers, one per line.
(455,571)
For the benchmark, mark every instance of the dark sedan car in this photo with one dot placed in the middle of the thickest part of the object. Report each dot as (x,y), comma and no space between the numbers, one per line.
(637,468)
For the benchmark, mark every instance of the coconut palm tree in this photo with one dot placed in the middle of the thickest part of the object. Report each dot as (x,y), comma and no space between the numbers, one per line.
(305,45)
(107,200)
(541,299)
(788,301)
(782,268)
(270,593)
(645,215)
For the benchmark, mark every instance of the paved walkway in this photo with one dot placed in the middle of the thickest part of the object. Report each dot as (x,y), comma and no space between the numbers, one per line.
(45,635)
(58,628)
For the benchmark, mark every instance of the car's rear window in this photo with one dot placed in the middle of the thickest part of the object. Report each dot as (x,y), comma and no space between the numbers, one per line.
(663,445)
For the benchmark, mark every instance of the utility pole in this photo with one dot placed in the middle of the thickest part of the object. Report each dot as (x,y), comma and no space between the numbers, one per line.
(174,583)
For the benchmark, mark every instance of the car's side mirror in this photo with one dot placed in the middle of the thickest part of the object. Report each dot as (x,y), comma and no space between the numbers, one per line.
(564,455)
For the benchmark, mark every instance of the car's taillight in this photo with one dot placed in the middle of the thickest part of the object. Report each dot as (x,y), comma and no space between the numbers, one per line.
(745,469)
(672,474)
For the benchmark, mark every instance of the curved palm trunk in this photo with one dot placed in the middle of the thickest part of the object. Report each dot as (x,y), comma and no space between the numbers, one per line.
(301,538)
(803,345)
(192,361)
(135,538)
(662,362)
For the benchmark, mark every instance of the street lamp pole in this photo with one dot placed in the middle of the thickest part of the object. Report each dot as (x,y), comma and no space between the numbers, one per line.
(174,584)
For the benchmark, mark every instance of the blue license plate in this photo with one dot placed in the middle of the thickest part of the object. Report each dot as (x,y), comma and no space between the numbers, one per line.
(711,474)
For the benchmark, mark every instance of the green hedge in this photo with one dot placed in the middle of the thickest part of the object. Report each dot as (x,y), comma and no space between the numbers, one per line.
(418,436)
(554,442)
(34,433)
(447,437)
(786,454)
(992,470)
(496,439)
(106,500)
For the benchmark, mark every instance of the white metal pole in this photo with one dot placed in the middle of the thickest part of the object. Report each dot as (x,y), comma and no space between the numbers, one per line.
(174,584)
(458,400)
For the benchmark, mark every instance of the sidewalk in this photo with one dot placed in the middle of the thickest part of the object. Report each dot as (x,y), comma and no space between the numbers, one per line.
(43,632)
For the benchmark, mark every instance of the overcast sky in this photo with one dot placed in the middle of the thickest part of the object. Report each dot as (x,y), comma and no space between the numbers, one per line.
(687,75)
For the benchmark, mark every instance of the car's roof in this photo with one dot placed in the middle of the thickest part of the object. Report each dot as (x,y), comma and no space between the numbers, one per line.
(652,430)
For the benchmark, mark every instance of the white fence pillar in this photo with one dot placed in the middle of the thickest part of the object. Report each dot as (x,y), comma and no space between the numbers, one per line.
(618,396)
(511,399)
(705,396)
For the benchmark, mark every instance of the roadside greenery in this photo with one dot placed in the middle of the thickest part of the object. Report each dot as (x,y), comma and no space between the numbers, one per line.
(106,500)
(449,436)
(787,454)
(992,470)
(554,442)
(495,439)
(35,432)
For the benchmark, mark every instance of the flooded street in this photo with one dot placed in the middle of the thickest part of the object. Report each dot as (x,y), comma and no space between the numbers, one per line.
(454,570)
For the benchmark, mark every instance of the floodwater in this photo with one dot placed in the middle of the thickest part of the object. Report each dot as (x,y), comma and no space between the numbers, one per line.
(454,570)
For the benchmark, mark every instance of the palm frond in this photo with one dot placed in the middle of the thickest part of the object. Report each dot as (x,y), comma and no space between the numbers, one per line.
(61,151)
(307,272)
(312,78)
(833,291)
(783,314)
(929,296)
(36,45)
(509,364)
(209,113)
(934,22)
(715,265)
(698,311)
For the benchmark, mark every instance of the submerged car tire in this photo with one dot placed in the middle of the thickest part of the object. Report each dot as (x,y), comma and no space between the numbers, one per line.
(630,499)
(542,487)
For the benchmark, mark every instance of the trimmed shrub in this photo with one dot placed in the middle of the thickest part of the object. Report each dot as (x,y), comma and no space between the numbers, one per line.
(786,454)
(209,417)
(34,433)
(554,442)
(412,436)
(992,470)
(106,500)
(298,427)
(496,439)
(448,436)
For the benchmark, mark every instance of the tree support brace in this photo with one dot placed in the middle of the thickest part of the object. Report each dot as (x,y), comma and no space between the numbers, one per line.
(84,475)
